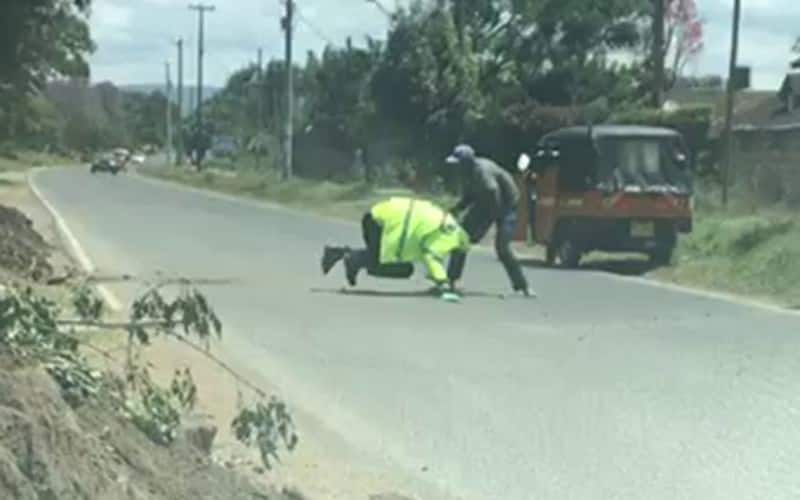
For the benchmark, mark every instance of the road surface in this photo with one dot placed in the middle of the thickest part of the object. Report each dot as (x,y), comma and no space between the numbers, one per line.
(603,388)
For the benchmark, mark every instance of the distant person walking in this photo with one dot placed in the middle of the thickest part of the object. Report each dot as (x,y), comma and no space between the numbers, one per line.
(489,197)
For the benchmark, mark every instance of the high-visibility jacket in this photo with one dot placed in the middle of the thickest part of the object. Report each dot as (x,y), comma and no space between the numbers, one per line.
(417,230)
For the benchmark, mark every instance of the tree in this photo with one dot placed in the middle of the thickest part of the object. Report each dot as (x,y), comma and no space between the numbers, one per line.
(683,40)
(684,37)
(426,85)
(40,40)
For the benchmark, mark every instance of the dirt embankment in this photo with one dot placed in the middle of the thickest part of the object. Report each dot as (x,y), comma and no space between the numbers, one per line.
(23,252)
(48,450)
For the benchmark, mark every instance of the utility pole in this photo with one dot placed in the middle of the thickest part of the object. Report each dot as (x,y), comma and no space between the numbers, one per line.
(731,91)
(179,152)
(658,53)
(168,112)
(288,29)
(260,116)
(201,11)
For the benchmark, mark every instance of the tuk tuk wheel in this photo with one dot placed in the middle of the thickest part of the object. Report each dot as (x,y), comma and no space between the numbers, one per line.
(662,255)
(569,254)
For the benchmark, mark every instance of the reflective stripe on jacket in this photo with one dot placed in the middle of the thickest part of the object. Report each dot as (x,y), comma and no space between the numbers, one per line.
(417,230)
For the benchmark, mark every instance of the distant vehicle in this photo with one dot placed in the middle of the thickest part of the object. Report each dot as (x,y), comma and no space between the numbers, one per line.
(105,163)
(138,159)
(122,156)
(611,188)
(224,147)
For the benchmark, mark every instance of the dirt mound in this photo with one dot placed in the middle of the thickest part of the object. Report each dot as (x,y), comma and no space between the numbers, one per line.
(50,451)
(23,251)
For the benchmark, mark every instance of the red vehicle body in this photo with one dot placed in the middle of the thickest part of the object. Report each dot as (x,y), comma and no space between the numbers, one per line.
(609,188)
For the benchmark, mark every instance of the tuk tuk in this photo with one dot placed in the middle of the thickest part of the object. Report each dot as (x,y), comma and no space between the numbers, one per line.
(611,188)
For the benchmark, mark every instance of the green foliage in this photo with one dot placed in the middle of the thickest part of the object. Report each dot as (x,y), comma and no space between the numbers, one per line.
(188,314)
(39,40)
(156,410)
(29,331)
(88,306)
(694,122)
(752,255)
(268,427)
(737,236)
(32,330)
(495,73)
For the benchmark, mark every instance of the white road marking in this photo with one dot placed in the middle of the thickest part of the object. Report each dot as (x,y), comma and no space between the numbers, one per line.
(75,247)
(708,294)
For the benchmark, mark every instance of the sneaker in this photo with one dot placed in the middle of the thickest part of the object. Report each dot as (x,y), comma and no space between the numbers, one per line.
(527,292)
(351,269)
(330,256)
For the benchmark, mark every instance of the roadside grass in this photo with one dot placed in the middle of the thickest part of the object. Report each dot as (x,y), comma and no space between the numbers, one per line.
(346,200)
(24,160)
(755,255)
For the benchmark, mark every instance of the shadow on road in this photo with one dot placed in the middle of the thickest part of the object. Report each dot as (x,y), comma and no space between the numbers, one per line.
(625,266)
(409,294)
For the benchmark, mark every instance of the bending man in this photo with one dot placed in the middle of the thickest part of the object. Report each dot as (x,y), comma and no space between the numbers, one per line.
(489,197)
(397,233)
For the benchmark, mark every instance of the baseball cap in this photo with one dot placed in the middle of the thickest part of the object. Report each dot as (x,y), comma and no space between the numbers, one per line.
(462,152)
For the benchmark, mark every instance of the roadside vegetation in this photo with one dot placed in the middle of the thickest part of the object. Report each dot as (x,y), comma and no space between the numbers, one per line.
(751,248)
(19,161)
(346,200)
(58,363)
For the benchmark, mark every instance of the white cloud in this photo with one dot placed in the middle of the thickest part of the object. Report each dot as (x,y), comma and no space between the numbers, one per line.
(135,37)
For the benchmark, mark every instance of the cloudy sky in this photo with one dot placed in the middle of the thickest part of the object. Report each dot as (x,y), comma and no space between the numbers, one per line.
(136,37)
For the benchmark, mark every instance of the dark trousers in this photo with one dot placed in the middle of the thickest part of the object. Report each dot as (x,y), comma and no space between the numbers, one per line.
(477,227)
(369,258)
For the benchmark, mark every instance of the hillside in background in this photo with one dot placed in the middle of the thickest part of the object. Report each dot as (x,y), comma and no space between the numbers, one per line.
(189,92)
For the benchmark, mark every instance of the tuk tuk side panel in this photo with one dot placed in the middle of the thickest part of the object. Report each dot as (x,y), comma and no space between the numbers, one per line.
(622,205)
(546,205)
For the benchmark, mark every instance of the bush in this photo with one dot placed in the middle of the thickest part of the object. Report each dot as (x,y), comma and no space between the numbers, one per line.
(735,237)
(694,122)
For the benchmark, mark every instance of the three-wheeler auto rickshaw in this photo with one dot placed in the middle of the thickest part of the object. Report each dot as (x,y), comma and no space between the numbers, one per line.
(611,188)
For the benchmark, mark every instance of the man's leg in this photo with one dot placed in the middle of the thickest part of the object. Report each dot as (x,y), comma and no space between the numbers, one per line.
(502,245)
(369,257)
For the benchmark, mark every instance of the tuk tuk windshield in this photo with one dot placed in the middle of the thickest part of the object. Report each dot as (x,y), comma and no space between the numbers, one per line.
(647,164)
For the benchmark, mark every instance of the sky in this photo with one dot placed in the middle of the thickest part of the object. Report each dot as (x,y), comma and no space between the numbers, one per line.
(136,37)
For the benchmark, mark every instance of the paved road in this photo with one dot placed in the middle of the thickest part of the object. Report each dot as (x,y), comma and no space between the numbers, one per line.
(603,388)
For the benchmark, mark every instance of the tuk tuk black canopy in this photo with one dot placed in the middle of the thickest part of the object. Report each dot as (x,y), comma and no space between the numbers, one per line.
(618,157)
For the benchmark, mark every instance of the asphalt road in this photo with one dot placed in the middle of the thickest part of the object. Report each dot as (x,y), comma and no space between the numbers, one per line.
(603,388)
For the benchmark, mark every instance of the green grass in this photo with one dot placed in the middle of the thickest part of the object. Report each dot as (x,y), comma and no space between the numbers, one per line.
(331,199)
(23,160)
(752,255)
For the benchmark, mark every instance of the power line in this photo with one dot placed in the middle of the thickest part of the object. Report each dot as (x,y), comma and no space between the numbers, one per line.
(309,24)
(381,7)
(313,27)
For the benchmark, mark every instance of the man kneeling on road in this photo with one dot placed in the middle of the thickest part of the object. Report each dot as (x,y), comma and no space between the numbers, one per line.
(397,233)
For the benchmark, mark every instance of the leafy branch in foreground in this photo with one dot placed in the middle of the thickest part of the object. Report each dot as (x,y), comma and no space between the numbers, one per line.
(34,329)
